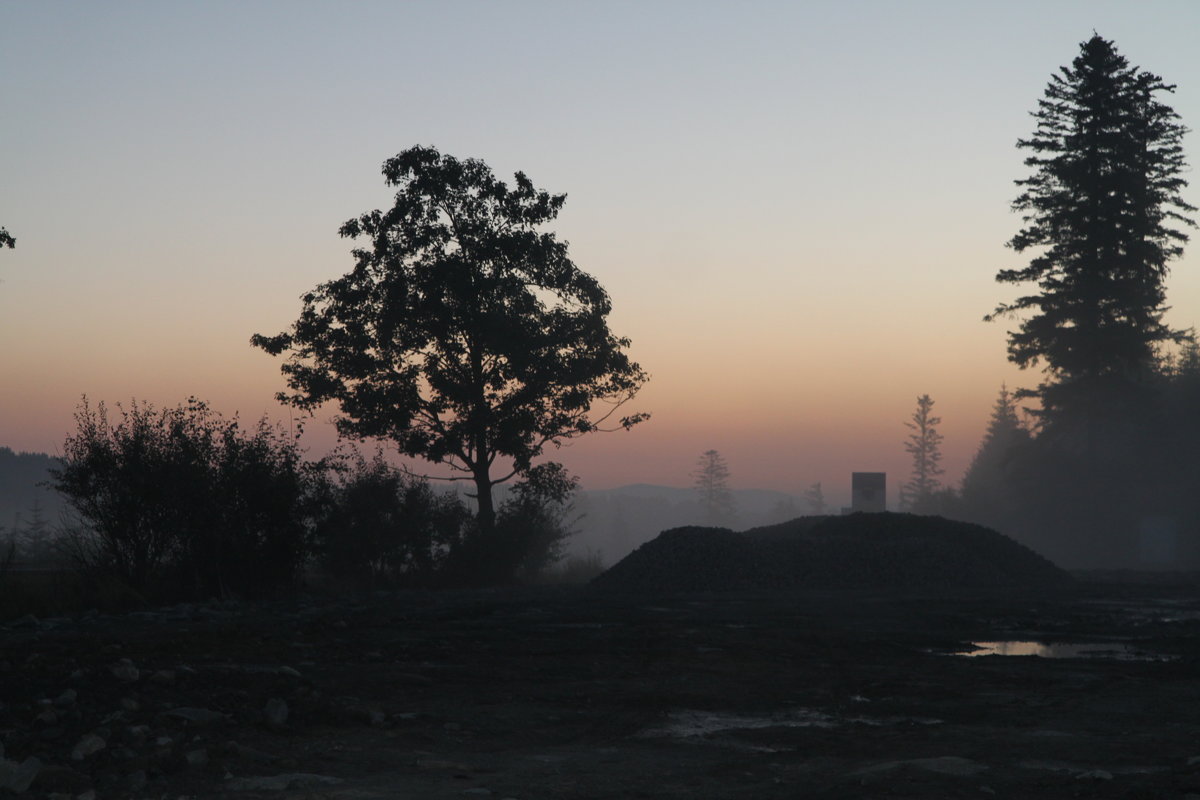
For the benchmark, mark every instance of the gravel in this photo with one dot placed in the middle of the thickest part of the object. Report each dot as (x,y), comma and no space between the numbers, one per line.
(885,552)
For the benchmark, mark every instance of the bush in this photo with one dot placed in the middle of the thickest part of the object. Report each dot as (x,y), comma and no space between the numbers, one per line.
(385,527)
(181,503)
(531,528)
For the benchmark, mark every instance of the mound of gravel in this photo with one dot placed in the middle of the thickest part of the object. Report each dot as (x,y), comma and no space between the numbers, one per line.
(886,551)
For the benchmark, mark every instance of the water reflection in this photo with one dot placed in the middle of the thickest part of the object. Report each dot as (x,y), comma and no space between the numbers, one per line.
(1122,652)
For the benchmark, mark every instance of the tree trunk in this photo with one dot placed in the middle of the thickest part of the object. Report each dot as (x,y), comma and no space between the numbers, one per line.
(483,494)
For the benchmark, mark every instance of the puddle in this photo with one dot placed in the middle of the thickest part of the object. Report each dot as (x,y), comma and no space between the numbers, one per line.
(688,724)
(1113,650)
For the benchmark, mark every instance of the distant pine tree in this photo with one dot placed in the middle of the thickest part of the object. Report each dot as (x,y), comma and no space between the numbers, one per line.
(987,493)
(925,446)
(712,487)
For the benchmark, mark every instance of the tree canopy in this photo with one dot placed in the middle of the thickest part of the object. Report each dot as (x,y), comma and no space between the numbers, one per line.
(6,239)
(1102,210)
(464,334)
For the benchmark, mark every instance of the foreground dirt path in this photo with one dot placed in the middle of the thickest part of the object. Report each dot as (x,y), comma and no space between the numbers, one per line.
(566,694)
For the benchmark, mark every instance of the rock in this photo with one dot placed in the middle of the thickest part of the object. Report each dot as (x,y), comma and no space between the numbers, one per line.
(27,621)
(67,698)
(130,704)
(284,782)
(276,713)
(48,717)
(163,676)
(53,778)
(87,746)
(125,671)
(1095,775)
(90,794)
(19,777)
(137,781)
(197,759)
(198,716)
(137,734)
(943,765)
(291,673)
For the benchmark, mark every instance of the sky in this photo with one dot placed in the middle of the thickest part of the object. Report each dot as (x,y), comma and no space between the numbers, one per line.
(798,209)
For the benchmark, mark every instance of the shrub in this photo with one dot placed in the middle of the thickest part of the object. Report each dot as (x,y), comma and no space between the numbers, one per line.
(183,503)
(385,527)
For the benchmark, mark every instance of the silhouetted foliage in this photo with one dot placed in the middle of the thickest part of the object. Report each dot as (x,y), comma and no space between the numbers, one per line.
(711,477)
(180,501)
(386,527)
(924,445)
(1102,209)
(6,239)
(463,334)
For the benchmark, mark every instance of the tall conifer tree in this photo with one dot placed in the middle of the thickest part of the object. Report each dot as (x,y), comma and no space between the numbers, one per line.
(1102,211)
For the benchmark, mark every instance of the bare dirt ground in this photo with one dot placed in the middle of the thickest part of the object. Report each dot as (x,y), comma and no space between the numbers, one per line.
(564,693)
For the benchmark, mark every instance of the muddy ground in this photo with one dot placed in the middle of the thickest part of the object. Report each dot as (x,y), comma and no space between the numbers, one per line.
(564,693)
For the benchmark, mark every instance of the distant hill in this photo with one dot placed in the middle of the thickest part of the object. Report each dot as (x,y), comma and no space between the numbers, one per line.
(22,476)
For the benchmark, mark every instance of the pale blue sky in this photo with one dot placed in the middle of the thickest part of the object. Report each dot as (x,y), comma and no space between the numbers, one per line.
(798,208)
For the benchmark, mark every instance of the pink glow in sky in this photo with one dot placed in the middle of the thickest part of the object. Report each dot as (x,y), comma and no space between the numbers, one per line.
(798,209)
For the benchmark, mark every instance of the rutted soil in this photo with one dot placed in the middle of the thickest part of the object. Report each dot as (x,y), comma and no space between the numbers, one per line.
(570,693)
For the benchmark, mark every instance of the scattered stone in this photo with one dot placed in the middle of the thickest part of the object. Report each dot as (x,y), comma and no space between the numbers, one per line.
(251,753)
(137,734)
(125,671)
(163,676)
(67,698)
(284,782)
(290,672)
(89,745)
(444,765)
(943,765)
(19,777)
(137,781)
(276,713)
(198,716)
(130,704)
(197,759)
(27,621)
(54,778)
(478,791)
(48,717)
(90,794)
(1095,775)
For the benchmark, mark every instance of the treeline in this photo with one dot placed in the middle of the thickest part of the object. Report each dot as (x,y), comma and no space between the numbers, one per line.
(1114,488)
(184,504)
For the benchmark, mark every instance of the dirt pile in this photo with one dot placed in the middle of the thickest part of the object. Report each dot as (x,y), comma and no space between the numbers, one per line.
(893,552)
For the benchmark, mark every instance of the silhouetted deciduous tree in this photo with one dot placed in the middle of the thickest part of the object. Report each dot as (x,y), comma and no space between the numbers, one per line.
(924,445)
(712,485)
(464,334)
(6,239)
(1102,210)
